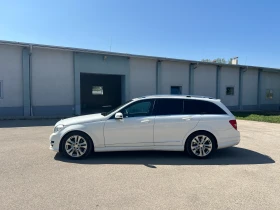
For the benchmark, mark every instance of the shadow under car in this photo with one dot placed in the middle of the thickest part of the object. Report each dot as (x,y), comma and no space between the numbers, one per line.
(228,156)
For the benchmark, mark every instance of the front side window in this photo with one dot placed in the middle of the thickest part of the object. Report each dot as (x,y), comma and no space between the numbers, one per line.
(138,109)
(169,107)
(201,107)
(113,110)
(269,94)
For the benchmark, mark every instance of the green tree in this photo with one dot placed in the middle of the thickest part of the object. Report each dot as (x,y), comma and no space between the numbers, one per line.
(206,60)
(217,60)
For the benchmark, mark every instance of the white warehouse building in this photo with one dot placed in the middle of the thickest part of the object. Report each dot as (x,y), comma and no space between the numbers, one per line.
(41,80)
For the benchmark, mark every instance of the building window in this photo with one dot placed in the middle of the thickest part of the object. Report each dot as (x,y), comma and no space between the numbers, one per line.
(177,90)
(269,94)
(97,90)
(1,89)
(229,91)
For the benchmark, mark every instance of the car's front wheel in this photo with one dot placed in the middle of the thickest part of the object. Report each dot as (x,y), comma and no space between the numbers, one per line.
(201,144)
(76,145)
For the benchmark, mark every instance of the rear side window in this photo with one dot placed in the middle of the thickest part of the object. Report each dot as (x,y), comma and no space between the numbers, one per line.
(169,107)
(201,107)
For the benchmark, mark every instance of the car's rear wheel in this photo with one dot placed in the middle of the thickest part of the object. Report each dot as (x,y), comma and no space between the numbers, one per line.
(201,145)
(76,145)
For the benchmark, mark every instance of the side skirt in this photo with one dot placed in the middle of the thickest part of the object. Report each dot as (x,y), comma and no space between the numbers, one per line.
(160,148)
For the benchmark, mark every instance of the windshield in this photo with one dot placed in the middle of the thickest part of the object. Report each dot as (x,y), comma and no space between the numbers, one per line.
(110,112)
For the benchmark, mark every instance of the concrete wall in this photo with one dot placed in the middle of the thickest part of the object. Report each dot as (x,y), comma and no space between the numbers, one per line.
(205,80)
(229,78)
(174,74)
(52,82)
(142,77)
(11,75)
(250,89)
(55,80)
(270,80)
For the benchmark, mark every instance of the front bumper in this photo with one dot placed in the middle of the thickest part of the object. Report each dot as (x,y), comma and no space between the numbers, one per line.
(54,142)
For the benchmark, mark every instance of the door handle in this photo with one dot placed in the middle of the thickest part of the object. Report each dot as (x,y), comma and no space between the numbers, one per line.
(186,118)
(145,121)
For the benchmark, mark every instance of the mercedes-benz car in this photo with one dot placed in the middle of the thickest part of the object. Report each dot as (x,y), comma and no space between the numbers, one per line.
(195,124)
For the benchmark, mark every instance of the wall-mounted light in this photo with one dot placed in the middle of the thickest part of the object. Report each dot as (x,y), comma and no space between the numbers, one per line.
(105,57)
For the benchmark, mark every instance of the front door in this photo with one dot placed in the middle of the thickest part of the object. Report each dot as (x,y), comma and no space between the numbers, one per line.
(135,129)
(100,93)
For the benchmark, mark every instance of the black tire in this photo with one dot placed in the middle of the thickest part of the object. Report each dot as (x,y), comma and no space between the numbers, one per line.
(81,150)
(191,142)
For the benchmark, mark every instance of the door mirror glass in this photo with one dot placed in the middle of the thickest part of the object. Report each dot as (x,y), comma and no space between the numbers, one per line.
(119,115)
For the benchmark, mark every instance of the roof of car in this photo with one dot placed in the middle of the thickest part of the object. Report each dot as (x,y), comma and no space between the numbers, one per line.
(177,96)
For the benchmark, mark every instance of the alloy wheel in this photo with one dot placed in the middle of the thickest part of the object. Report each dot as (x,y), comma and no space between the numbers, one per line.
(76,146)
(201,146)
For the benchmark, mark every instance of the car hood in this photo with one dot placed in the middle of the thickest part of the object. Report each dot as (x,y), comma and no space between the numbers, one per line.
(81,119)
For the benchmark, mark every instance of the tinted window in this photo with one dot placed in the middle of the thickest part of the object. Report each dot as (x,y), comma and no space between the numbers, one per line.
(201,107)
(138,109)
(169,107)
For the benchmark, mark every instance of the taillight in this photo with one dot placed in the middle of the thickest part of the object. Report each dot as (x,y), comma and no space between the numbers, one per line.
(233,123)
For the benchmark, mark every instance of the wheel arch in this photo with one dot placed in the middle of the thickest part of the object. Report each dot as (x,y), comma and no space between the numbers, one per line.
(199,131)
(75,131)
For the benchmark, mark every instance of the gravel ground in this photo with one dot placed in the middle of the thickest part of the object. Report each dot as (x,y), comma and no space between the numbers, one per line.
(242,177)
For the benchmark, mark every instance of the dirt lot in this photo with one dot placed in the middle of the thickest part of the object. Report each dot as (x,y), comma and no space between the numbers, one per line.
(243,177)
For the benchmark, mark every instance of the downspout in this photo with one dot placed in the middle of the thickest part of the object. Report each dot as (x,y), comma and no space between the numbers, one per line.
(218,81)
(190,80)
(192,67)
(259,88)
(74,107)
(158,77)
(30,78)
(240,92)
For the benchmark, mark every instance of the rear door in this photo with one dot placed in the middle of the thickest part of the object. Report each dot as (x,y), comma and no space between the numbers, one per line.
(171,123)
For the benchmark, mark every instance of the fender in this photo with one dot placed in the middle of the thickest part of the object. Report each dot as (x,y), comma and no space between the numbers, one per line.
(95,131)
(202,127)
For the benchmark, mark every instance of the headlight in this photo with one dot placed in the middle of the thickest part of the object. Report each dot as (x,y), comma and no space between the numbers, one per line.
(58,128)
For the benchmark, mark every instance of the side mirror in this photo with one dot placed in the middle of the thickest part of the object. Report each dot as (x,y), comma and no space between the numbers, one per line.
(119,116)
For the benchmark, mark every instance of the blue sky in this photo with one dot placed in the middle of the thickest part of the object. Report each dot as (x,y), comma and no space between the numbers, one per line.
(188,29)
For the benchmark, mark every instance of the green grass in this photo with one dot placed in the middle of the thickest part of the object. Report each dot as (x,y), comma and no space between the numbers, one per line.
(272,117)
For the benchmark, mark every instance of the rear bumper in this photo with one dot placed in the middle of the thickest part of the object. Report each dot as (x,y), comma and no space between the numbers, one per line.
(227,141)
(54,142)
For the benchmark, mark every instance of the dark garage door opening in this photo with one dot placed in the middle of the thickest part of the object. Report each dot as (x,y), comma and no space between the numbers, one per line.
(100,92)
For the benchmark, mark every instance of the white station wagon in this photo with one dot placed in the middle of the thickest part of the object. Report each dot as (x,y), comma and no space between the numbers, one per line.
(195,124)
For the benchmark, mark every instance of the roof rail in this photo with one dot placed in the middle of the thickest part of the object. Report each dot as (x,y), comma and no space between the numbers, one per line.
(197,96)
(171,95)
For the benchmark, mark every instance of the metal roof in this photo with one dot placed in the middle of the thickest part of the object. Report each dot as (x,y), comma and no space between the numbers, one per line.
(23,44)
